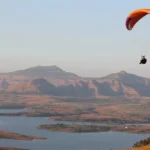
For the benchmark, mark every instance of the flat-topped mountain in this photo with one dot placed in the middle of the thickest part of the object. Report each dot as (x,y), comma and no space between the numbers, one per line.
(52,80)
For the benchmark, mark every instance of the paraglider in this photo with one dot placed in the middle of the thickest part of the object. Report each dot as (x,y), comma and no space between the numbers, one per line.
(143,60)
(135,16)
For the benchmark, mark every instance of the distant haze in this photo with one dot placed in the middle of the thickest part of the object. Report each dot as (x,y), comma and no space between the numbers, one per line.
(85,37)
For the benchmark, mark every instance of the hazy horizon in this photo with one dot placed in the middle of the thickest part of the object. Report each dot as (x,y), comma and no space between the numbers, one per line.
(86,76)
(87,38)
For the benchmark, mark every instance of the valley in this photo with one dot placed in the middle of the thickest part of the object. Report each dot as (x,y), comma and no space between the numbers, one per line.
(114,110)
(117,99)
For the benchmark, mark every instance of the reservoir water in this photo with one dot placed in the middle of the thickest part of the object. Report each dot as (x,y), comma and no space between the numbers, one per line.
(61,140)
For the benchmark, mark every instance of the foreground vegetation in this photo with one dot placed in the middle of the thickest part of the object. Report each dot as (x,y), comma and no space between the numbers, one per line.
(142,143)
(147,147)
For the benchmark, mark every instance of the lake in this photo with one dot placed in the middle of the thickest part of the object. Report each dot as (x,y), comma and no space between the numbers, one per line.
(60,140)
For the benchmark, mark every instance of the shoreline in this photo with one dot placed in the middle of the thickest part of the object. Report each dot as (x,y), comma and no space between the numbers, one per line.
(10,148)
(16,136)
(57,117)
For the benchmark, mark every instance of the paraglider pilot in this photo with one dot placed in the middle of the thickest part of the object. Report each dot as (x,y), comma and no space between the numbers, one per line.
(143,60)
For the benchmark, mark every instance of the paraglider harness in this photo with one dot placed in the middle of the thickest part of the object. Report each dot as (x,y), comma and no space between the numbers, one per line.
(143,60)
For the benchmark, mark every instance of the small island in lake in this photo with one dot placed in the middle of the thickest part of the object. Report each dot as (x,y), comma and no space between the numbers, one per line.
(138,129)
(74,128)
(15,136)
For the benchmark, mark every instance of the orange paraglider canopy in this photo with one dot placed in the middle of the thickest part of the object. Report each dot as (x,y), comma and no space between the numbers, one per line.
(135,16)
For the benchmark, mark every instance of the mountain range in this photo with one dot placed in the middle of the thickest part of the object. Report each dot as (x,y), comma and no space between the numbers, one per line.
(52,80)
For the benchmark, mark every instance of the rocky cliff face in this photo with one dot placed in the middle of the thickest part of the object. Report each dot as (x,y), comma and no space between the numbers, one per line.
(54,81)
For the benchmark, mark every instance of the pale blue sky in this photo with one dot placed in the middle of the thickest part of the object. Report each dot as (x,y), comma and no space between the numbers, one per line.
(87,37)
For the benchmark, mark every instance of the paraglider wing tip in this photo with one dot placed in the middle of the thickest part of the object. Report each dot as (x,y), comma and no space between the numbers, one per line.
(135,16)
(127,23)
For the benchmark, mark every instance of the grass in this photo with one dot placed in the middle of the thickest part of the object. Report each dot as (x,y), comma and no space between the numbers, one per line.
(147,147)
(141,148)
